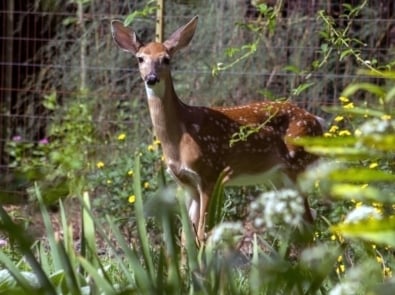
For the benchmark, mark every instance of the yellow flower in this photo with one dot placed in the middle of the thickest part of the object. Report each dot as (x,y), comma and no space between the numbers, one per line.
(349,106)
(386,117)
(339,118)
(146,185)
(132,199)
(340,269)
(387,272)
(373,165)
(327,134)
(100,164)
(333,129)
(121,136)
(357,132)
(109,181)
(150,148)
(378,207)
(379,259)
(156,142)
(344,133)
(344,99)
(130,172)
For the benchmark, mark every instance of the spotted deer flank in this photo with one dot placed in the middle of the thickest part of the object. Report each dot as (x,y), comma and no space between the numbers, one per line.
(200,143)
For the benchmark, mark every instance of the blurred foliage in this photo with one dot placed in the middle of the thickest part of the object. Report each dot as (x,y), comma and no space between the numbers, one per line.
(98,140)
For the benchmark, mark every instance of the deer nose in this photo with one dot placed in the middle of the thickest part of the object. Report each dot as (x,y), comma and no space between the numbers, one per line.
(151,79)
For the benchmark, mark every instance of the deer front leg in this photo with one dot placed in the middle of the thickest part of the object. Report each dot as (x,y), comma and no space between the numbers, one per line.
(194,209)
(204,199)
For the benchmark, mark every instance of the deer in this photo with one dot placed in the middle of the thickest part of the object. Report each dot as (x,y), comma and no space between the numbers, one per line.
(195,140)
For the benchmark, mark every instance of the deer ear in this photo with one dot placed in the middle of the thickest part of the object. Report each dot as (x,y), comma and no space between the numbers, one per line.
(125,38)
(181,37)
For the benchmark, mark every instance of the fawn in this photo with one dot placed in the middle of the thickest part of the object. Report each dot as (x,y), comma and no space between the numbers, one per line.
(196,139)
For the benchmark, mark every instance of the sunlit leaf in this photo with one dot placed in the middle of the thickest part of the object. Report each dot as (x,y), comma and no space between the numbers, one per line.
(382,142)
(324,141)
(369,87)
(379,231)
(390,95)
(362,175)
(359,192)
(345,153)
(378,74)
(359,111)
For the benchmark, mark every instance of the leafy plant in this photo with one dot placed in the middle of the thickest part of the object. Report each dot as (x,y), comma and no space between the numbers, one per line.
(57,162)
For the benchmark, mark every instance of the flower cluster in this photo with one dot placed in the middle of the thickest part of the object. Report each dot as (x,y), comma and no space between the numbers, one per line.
(226,233)
(278,207)
(376,126)
(336,128)
(114,175)
(362,212)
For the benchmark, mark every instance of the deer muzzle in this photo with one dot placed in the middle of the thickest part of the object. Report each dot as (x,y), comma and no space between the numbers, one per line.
(151,79)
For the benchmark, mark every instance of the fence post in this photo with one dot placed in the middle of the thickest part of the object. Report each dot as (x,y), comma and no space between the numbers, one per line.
(159,28)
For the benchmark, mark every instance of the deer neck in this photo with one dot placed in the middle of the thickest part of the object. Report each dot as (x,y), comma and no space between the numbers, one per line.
(164,107)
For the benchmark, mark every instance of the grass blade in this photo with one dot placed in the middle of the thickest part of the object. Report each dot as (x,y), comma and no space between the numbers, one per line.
(214,214)
(60,257)
(140,220)
(142,278)
(101,283)
(18,234)
(16,273)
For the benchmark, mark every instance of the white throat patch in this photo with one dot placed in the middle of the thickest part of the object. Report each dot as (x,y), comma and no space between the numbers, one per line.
(155,91)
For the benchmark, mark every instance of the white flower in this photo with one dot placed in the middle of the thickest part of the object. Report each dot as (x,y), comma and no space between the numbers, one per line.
(226,233)
(377,126)
(362,213)
(345,288)
(278,207)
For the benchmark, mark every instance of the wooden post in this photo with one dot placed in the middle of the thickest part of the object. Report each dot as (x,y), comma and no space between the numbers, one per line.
(159,28)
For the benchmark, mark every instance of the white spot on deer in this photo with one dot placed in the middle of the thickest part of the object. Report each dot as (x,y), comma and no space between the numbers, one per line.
(196,127)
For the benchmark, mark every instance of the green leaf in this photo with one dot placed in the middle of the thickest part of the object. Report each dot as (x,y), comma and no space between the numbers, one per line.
(358,192)
(100,281)
(379,231)
(50,101)
(88,230)
(141,222)
(361,175)
(292,69)
(346,53)
(369,87)
(215,212)
(354,111)
(302,87)
(324,141)
(377,74)
(390,95)
(380,142)
(18,276)
(344,153)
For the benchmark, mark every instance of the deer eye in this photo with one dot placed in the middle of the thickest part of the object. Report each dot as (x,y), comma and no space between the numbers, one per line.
(140,59)
(166,60)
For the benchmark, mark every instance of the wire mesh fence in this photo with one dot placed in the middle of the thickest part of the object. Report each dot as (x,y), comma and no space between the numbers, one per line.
(59,66)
